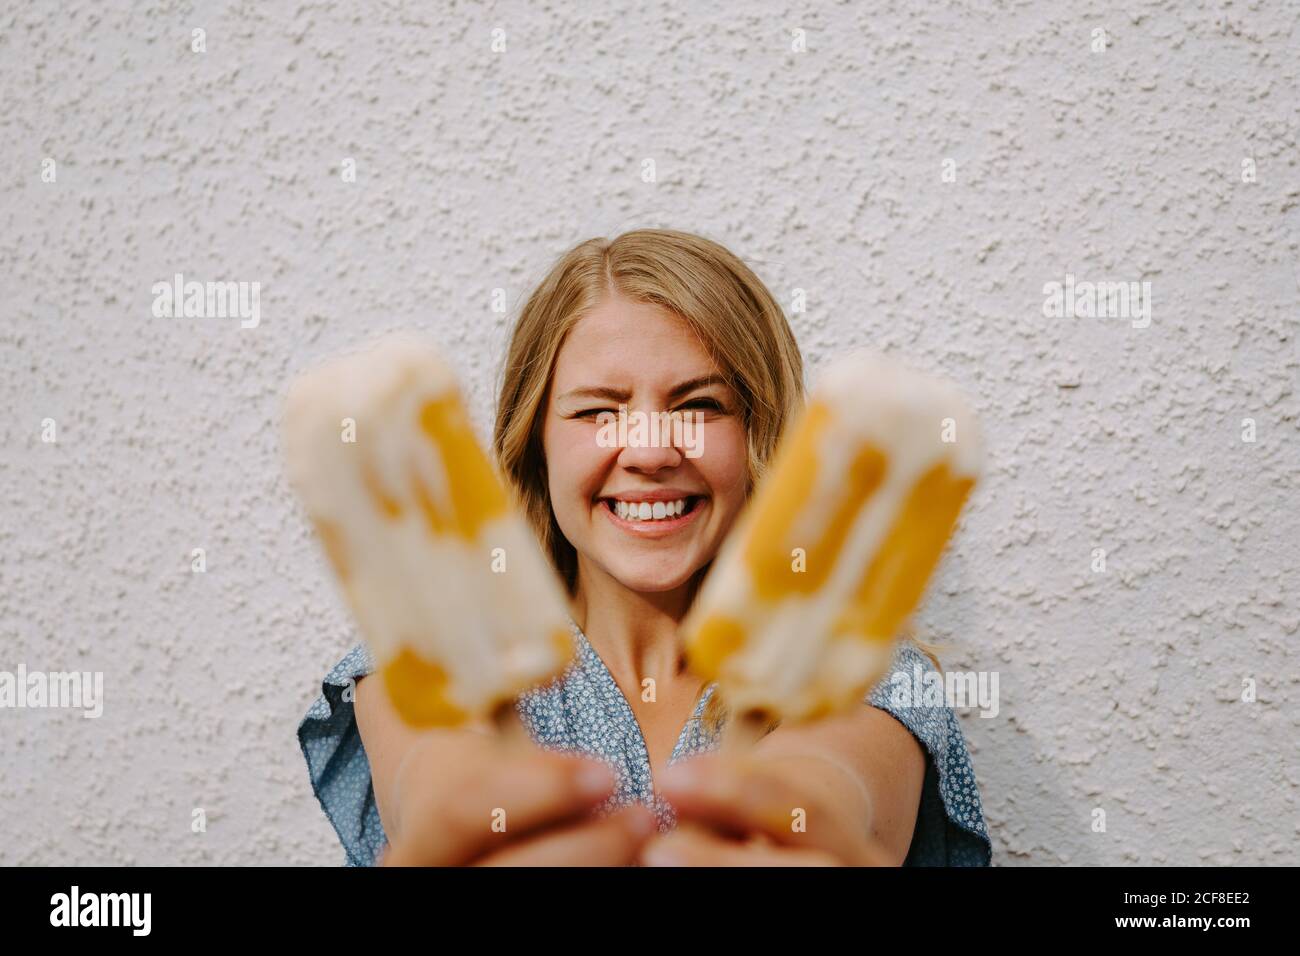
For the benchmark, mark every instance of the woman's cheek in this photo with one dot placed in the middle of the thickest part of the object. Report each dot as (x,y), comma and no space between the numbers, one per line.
(573,461)
(725,459)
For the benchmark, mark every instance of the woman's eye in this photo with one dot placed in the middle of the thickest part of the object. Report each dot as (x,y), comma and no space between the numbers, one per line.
(710,403)
(706,403)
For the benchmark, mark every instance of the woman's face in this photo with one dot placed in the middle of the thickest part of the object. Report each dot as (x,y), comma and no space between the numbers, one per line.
(648,358)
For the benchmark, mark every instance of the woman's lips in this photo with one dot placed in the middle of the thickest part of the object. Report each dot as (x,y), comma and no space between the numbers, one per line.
(652,528)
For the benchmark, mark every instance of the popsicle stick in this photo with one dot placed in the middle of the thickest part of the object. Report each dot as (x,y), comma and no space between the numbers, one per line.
(742,732)
(505,718)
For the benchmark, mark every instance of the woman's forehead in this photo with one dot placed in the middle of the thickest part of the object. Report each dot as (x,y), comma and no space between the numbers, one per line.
(616,315)
(631,344)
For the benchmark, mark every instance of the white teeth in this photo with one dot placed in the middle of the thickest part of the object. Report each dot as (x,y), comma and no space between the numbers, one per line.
(649,511)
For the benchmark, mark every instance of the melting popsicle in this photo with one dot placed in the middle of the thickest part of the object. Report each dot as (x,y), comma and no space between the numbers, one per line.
(447,583)
(798,617)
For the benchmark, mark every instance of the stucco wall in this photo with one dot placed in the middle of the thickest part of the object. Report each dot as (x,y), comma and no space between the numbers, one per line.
(825,169)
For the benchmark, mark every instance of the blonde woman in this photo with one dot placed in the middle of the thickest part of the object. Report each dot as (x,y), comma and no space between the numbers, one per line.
(661,321)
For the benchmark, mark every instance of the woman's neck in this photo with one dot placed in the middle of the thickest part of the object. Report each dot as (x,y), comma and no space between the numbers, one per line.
(634,632)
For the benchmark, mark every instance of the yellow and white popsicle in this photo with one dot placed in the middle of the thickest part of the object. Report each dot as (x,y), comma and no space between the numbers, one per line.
(447,583)
(798,617)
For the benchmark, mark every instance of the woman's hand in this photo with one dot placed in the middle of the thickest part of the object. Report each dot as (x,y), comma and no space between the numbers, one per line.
(486,804)
(753,810)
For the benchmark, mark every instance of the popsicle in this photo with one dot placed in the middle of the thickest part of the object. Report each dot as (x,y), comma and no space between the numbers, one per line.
(799,615)
(449,587)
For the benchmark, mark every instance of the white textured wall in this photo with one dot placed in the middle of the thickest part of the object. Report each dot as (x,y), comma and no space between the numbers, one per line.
(1120,690)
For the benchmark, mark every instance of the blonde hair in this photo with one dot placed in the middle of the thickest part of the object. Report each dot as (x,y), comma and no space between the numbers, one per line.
(736,319)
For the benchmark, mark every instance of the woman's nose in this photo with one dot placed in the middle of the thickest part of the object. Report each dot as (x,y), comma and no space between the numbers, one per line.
(649,459)
(650,449)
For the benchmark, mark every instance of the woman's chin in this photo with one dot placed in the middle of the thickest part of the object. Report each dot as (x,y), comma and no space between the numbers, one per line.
(652,580)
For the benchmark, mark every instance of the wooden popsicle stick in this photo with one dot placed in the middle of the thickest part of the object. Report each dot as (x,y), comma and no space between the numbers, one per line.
(743,731)
(505,718)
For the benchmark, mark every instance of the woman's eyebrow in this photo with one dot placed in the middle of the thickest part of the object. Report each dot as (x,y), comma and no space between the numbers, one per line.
(622,395)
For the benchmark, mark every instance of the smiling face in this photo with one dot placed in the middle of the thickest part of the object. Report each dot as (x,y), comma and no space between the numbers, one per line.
(648,358)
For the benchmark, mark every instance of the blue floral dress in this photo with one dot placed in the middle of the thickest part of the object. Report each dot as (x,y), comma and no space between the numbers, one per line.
(585,712)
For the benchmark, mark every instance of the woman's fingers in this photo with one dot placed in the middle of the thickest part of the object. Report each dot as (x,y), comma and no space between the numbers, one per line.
(615,840)
(469,814)
(740,796)
(694,845)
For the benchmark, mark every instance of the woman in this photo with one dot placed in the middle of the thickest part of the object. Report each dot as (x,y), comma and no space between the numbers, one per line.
(661,321)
